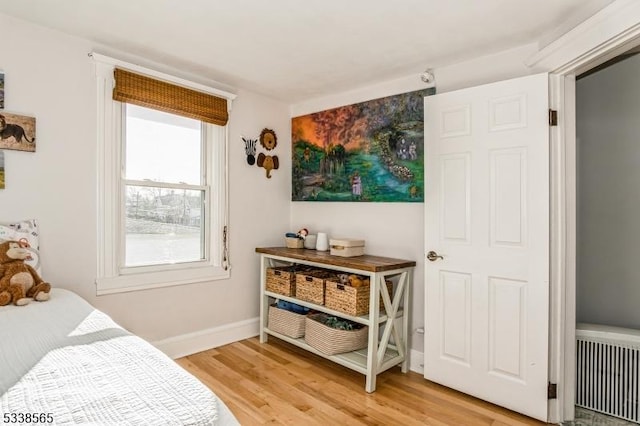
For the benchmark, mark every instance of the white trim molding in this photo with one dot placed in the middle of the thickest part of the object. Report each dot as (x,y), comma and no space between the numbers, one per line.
(600,37)
(416,361)
(112,276)
(198,341)
(608,33)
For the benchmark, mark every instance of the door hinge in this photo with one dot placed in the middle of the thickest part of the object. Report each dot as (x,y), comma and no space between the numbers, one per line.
(553,117)
(552,391)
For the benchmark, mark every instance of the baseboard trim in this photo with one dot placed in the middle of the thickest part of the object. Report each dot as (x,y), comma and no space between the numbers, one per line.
(198,341)
(416,361)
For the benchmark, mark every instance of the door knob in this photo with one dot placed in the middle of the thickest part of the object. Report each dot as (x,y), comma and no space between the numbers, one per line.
(433,256)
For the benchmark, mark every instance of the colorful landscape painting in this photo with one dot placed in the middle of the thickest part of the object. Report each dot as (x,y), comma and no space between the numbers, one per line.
(367,152)
(1,90)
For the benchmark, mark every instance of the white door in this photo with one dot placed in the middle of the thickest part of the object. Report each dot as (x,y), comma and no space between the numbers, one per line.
(487,215)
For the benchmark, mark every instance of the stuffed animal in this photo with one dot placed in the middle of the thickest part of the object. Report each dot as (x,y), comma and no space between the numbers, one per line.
(355,281)
(19,282)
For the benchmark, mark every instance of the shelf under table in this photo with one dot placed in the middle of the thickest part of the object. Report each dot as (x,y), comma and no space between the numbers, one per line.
(356,360)
(364,319)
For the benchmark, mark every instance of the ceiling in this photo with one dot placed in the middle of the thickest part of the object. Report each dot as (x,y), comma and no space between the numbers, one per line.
(295,50)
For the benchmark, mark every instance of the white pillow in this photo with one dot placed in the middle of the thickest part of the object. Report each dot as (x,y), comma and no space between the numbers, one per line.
(27,232)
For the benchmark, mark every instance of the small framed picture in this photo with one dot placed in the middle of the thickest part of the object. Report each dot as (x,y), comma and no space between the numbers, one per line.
(1,169)
(1,90)
(17,132)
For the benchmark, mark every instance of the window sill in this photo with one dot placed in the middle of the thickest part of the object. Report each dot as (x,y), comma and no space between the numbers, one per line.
(150,280)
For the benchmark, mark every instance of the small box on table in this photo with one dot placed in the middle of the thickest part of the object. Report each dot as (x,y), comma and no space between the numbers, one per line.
(346,247)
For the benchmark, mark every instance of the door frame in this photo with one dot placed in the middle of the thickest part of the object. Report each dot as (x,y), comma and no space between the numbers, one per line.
(608,33)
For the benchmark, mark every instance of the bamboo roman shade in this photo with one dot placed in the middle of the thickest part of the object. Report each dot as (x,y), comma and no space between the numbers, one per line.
(151,93)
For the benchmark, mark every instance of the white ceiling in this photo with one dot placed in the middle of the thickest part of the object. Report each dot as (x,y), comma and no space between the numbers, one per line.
(295,50)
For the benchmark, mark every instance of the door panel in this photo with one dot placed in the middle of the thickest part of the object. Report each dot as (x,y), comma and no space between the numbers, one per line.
(487,214)
(456,121)
(507,113)
(508,196)
(507,310)
(455,190)
(455,310)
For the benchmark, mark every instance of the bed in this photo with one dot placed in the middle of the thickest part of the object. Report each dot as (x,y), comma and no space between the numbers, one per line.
(68,363)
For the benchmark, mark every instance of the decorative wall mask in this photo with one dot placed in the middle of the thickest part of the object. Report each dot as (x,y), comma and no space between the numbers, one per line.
(268,139)
(250,150)
(268,162)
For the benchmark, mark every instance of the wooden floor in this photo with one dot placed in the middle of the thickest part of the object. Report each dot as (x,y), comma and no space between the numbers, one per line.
(277,383)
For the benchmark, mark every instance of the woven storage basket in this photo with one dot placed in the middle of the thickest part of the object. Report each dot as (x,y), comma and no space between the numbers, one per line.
(332,341)
(310,285)
(286,322)
(295,243)
(350,300)
(281,280)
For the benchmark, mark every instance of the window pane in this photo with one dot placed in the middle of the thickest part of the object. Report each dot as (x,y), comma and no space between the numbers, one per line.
(163,226)
(162,147)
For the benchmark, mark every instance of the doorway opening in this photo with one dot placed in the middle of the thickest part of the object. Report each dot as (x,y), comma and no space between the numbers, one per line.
(607,380)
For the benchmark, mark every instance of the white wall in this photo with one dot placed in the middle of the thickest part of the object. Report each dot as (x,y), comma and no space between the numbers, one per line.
(49,76)
(608,231)
(397,229)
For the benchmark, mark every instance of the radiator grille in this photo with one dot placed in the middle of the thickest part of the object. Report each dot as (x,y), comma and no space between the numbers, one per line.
(607,376)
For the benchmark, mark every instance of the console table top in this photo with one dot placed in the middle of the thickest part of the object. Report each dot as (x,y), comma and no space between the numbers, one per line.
(365,262)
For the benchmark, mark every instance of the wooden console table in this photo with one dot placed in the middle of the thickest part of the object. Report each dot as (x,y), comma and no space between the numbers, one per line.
(380,354)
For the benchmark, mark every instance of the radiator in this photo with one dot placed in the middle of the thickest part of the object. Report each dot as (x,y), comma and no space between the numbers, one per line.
(607,370)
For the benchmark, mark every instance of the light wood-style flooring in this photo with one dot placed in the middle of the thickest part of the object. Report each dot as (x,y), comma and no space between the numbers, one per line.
(278,383)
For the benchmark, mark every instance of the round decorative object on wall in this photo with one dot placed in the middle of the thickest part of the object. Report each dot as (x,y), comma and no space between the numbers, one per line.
(268,139)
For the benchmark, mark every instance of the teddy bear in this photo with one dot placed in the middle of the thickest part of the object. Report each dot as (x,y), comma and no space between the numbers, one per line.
(19,282)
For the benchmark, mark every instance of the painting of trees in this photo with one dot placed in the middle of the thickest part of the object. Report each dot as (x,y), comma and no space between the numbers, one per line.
(378,143)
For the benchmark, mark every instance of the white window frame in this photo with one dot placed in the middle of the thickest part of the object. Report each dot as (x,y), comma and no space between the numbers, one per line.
(112,276)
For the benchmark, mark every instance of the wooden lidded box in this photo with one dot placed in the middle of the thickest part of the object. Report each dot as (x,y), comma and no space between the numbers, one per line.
(346,247)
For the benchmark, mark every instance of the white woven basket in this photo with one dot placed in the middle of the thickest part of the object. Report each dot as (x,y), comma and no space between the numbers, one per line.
(286,322)
(332,341)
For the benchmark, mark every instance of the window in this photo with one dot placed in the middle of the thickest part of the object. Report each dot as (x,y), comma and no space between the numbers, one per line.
(164,188)
(162,205)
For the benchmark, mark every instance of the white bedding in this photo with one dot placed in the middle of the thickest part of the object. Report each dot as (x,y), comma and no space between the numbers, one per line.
(71,364)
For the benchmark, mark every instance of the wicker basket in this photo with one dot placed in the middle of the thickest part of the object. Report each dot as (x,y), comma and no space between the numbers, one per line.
(331,341)
(295,243)
(350,300)
(286,322)
(281,280)
(310,285)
